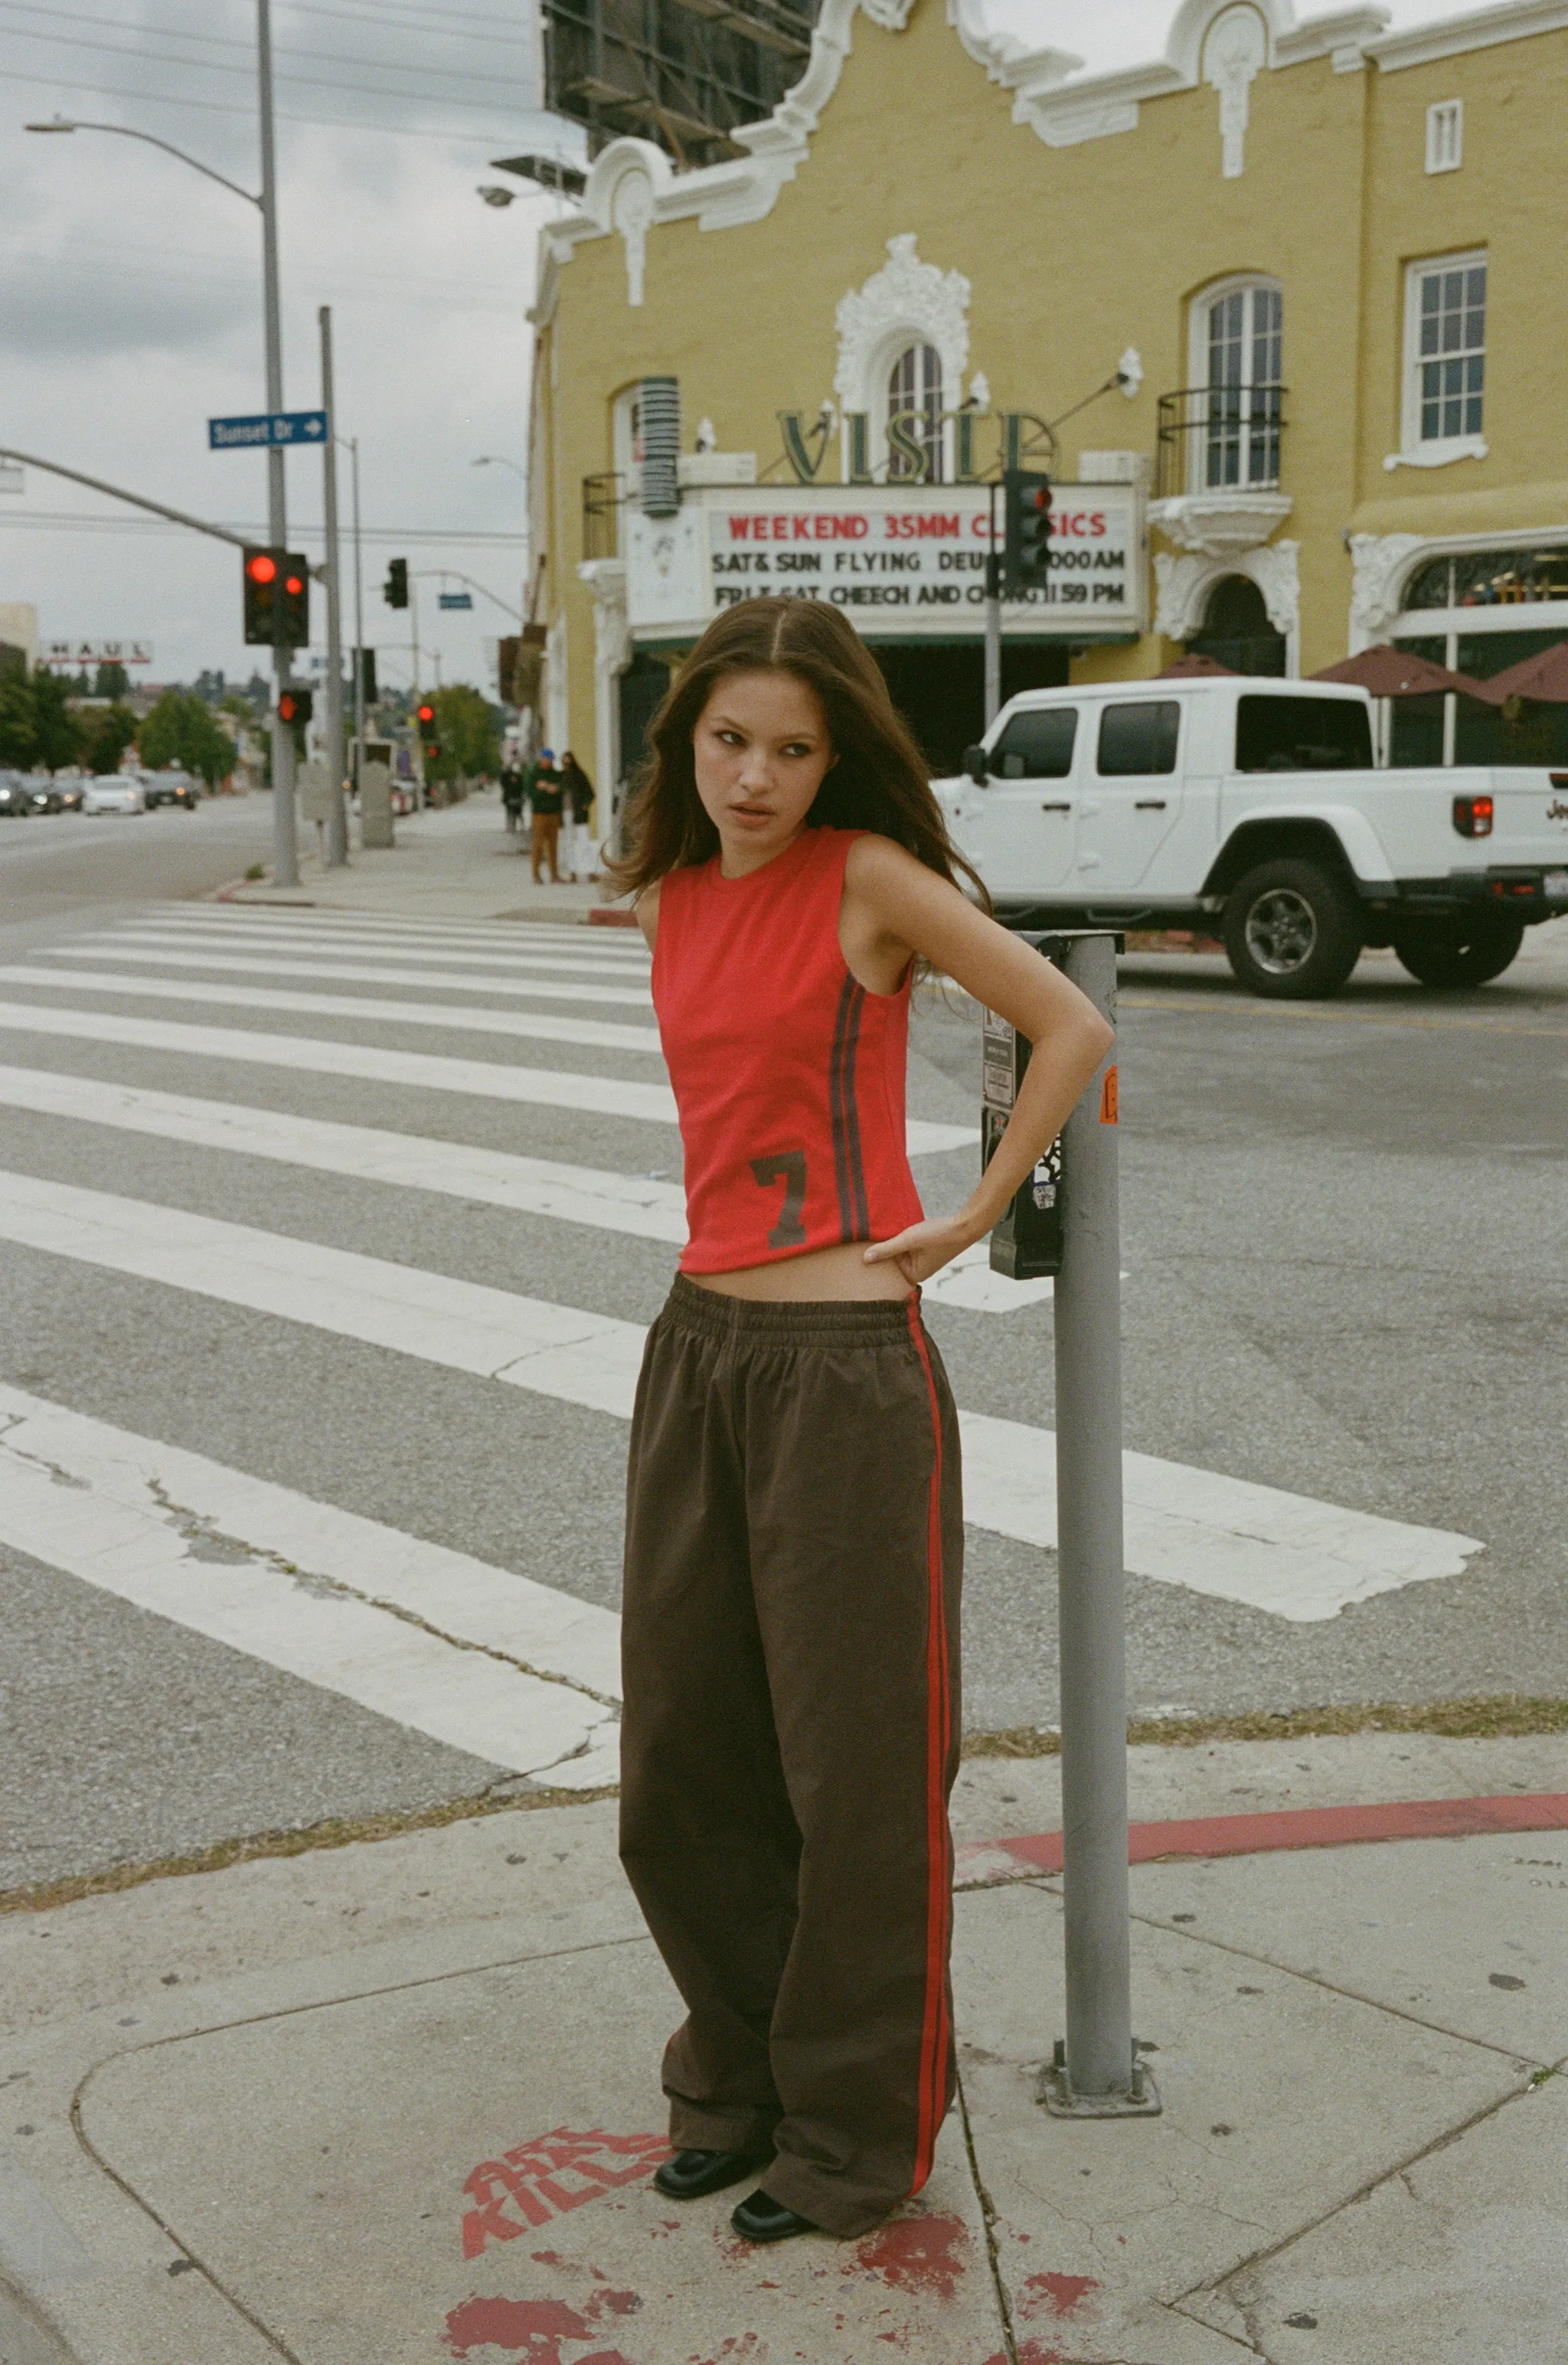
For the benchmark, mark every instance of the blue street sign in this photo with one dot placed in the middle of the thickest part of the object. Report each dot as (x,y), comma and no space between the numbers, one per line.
(454,600)
(266,427)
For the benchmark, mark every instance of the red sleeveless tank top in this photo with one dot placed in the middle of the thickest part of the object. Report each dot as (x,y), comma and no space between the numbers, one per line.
(789,1075)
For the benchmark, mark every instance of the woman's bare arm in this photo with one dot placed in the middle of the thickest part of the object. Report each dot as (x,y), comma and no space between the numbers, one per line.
(897,907)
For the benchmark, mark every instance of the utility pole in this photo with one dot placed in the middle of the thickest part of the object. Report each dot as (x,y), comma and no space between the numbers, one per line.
(414,701)
(337,819)
(992,620)
(358,625)
(285,860)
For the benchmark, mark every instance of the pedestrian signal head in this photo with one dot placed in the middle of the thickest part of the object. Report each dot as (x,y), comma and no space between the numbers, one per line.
(295,705)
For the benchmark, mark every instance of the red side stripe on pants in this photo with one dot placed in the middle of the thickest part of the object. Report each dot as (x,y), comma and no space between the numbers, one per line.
(935,2034)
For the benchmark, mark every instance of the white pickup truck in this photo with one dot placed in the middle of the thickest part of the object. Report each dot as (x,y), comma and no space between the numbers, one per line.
(1254,807)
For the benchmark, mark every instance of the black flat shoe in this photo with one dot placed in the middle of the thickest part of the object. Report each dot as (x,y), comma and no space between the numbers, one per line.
(691,2173)
(762,2220)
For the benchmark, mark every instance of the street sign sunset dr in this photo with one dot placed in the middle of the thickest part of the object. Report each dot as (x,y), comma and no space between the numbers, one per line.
(262,429)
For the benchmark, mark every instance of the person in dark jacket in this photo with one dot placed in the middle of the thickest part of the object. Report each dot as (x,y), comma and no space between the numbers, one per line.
(513,795)
(577,792)
(545,797)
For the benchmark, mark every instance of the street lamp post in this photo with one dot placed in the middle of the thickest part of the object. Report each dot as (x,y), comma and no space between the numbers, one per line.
(285,863)
(336,847)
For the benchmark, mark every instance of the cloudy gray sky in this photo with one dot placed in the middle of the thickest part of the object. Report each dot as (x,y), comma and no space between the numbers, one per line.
(129,292)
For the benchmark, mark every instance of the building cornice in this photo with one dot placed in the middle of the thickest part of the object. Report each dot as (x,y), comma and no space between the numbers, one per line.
(1062,107)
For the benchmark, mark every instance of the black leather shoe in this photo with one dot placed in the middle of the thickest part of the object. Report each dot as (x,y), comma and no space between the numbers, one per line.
(691,2173)
(762,2220)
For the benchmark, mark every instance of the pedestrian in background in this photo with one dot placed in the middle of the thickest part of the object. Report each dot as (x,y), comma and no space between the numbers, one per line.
(577,790)
(545,804)
(794,1522)
(512,795)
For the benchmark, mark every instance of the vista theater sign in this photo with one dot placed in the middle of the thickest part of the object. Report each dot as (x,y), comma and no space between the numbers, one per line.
(904,562)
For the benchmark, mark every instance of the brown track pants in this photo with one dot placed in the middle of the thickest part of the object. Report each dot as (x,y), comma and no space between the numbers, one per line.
(794,1552)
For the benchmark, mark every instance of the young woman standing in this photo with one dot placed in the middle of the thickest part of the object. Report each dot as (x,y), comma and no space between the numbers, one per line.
(795,1526)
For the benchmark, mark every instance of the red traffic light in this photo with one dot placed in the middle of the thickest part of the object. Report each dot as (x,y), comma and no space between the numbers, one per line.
(293,586)
(295,705)
(427,712)
(261,567)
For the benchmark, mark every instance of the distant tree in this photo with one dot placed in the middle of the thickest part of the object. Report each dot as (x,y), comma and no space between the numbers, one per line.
(112,681)
(467,728)
(58,731)
(106,732)
(36,723)
(179,730)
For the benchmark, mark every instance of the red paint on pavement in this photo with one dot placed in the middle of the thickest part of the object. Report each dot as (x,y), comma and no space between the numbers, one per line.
(516,2324)
(607,917)
(1063,2294)
(918,2254)
(541,2179)
(1288,1827)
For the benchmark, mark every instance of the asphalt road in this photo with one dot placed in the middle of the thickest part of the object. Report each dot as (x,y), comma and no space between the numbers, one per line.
(1345,1243)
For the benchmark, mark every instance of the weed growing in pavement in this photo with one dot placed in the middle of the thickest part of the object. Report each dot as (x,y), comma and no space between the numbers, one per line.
(1508,1716)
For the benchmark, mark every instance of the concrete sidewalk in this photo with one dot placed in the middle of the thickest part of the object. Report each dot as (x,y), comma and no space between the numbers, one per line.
(399,2102)
(456,863)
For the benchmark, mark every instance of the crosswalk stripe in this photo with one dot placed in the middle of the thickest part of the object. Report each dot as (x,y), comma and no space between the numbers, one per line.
(1303,1560)
(284,1579)
(259,964)
(465,959)
(538,1186)
(425,1070)
(542,1026)
(565,936)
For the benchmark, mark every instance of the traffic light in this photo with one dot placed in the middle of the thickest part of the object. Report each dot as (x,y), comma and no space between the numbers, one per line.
(395,591)
(424,715)
(295,705)
(1026,547)
(367,674)
(278,593)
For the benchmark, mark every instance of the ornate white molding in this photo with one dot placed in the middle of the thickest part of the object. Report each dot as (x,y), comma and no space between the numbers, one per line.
(1236,50)
(632,211)
(905,299)
(1184,585)
(1220,523)
(605,579)
(891,15)
(1380,562)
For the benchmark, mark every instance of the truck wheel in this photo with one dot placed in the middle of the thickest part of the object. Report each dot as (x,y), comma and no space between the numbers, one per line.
(1460,951)
(1291,931)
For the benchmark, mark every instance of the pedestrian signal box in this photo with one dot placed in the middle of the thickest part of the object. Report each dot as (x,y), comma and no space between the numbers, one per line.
(295,705)
(277,598)
(1026,543)
(1027,1242)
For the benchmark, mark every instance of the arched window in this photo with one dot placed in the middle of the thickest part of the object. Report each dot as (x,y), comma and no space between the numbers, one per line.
(1239,352)
(914,382)
(1237,632)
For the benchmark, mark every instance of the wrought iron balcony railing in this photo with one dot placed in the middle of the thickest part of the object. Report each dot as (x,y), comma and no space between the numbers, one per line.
(602,499)
(1219,438)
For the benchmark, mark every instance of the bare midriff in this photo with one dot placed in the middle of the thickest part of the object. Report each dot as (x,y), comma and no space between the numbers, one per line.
(820,1274)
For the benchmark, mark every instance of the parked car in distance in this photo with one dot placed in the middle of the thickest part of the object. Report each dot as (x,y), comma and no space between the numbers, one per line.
(70,787)
(114,793)
(16,796)
(47,798)
(170,789)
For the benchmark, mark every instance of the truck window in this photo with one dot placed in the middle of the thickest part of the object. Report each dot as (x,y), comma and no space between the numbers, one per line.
(1140,736)
(1036,746)
(1302,734)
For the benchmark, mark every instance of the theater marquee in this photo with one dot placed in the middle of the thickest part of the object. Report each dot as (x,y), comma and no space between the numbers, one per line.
(903,562)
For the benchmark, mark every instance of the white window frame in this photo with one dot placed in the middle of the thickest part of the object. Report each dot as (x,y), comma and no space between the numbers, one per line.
(1438,453)
(1198,309)
(1445,135)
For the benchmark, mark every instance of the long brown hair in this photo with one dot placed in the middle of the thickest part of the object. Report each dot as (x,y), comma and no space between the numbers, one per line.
(879,782)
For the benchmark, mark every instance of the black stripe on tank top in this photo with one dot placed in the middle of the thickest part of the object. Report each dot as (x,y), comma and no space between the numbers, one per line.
(854,1212)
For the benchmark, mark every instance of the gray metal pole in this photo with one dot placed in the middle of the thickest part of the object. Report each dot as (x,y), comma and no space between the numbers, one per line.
(358,628)
(285,861)
(337,819)
(992,622)
(1098,2077)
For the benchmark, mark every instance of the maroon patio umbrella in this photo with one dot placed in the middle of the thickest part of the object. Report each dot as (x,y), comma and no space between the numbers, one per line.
(1399,673)
(1544,677)
(1194,663)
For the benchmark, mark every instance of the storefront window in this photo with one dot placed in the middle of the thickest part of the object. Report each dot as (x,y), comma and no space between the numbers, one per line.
(1490,578)
(914,382)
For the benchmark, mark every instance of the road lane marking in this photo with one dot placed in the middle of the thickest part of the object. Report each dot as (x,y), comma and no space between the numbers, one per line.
(278,1578)
(1287,1553)
(540,1027)
(424,1070)
(542,989)
(635,1204)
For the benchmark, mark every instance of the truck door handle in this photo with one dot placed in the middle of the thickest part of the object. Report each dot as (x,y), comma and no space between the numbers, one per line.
(1149,804)
(1056,808)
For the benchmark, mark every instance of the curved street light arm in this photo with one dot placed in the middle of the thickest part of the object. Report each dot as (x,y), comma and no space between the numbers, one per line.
(119,493)
(125,131)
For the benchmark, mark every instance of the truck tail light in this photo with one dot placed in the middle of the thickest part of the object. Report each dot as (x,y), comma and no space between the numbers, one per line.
(1473,816)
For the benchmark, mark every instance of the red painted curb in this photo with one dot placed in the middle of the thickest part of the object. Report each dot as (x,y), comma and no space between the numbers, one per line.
(1289,1827)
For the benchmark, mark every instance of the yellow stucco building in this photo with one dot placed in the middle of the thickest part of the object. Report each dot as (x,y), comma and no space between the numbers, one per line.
(1316,268)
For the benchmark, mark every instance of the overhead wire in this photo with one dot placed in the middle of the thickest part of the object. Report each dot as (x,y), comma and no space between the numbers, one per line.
(210,40)
(204,65)
(464,132)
